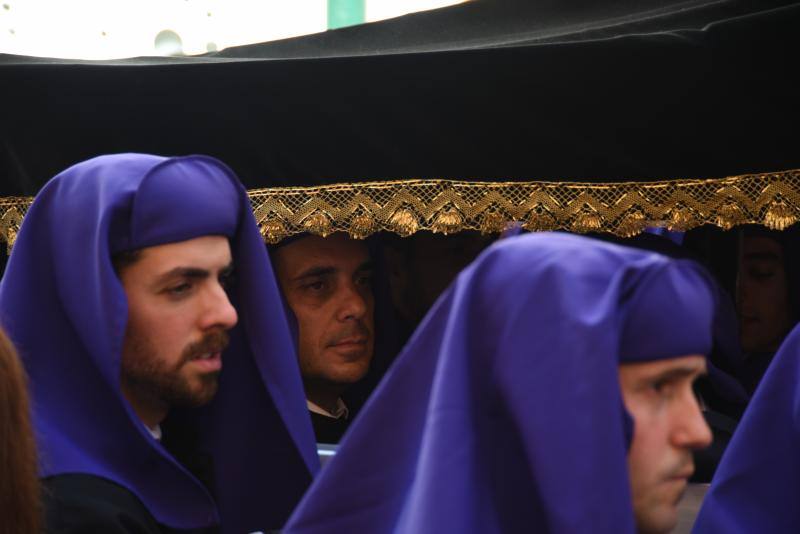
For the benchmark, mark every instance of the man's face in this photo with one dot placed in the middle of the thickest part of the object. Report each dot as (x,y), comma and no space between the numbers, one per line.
(668,426)
(178,318)
(762,295)
(327,283)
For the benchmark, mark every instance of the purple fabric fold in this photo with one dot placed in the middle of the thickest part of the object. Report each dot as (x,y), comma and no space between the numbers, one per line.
(757,485)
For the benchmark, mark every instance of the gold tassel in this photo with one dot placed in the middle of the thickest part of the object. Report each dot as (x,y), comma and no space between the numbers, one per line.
(730,215)
(362,226)
(779,215)
(319,224)
(273,231)
(587,221)
(680,219)
(492,223)
(632,224)
(448,221)
(11,237)
(403,222)
(540,220)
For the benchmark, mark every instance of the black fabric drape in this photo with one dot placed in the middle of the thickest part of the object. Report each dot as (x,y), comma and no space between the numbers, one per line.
(684,100)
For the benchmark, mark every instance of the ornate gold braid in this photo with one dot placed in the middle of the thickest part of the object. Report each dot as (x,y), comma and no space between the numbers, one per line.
(449,206)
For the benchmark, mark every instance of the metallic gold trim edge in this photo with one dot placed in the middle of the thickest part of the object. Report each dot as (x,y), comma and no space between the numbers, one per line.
(449,206)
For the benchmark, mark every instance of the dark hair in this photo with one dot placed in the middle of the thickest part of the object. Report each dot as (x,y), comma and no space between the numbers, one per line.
(124,259)
(19,481)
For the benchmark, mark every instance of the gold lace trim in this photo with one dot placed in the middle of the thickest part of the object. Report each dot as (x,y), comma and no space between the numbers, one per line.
(444,206)
(448,206)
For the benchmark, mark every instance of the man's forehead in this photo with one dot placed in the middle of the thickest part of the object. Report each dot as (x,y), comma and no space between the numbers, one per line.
(335,250)
(201,251)
(761,247)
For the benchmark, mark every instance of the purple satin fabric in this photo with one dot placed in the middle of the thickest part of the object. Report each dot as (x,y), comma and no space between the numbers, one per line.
(66,311)
(757,485)
(503,413)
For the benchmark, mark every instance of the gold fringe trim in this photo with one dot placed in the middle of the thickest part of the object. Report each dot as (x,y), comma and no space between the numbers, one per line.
(448,206)
(621,208)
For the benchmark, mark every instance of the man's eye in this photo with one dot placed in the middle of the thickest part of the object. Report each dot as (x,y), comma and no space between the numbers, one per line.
(179,289)
(661,386)
(364,280)
(319,285)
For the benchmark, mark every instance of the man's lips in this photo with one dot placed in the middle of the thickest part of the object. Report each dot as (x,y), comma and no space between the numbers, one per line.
(208,362)
(684,475)
(349,342)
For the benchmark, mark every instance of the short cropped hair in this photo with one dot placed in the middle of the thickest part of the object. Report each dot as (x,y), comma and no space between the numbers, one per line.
(124,259)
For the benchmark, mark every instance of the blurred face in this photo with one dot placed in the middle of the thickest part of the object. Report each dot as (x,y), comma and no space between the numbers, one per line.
(178,318)
(762,295)
(668,426)
(327,283)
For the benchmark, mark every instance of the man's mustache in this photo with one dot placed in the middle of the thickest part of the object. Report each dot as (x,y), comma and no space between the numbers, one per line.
(212,342)
(357,330)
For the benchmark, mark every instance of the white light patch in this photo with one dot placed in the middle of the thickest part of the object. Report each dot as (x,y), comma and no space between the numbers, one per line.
(112,29)
(385,9)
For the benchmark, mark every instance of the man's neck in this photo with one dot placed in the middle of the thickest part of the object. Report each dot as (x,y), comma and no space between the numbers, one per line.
(150,411)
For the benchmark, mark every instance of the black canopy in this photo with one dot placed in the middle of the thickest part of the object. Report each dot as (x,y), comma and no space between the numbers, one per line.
(587,116)
(580,91)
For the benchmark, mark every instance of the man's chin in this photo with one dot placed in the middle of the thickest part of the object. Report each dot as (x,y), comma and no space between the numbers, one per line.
(659,520)
(353,353)
(342,376)
(199,394)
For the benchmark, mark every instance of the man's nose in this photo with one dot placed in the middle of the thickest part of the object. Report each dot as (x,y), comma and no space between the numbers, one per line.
(691,430)
(353,304)
(219,311)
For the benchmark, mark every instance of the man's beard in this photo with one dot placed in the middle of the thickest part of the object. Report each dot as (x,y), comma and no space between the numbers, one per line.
(151,378)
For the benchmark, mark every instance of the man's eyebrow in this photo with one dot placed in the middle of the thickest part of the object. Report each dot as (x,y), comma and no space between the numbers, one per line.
(192,272)
(184,272)
(677,373)
(316,271)
(326,270)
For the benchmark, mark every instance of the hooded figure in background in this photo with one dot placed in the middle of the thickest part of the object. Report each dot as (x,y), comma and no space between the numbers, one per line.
(756,487)
(166,393)
(548,390)
(336,290)
(767,295)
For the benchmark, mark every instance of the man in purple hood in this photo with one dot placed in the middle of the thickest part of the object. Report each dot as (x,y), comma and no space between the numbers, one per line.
(165,388)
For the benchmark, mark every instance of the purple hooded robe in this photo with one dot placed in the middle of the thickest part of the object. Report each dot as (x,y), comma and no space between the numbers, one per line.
(64,307)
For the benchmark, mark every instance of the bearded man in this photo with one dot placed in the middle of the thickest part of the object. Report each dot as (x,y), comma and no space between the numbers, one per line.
(158,405)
